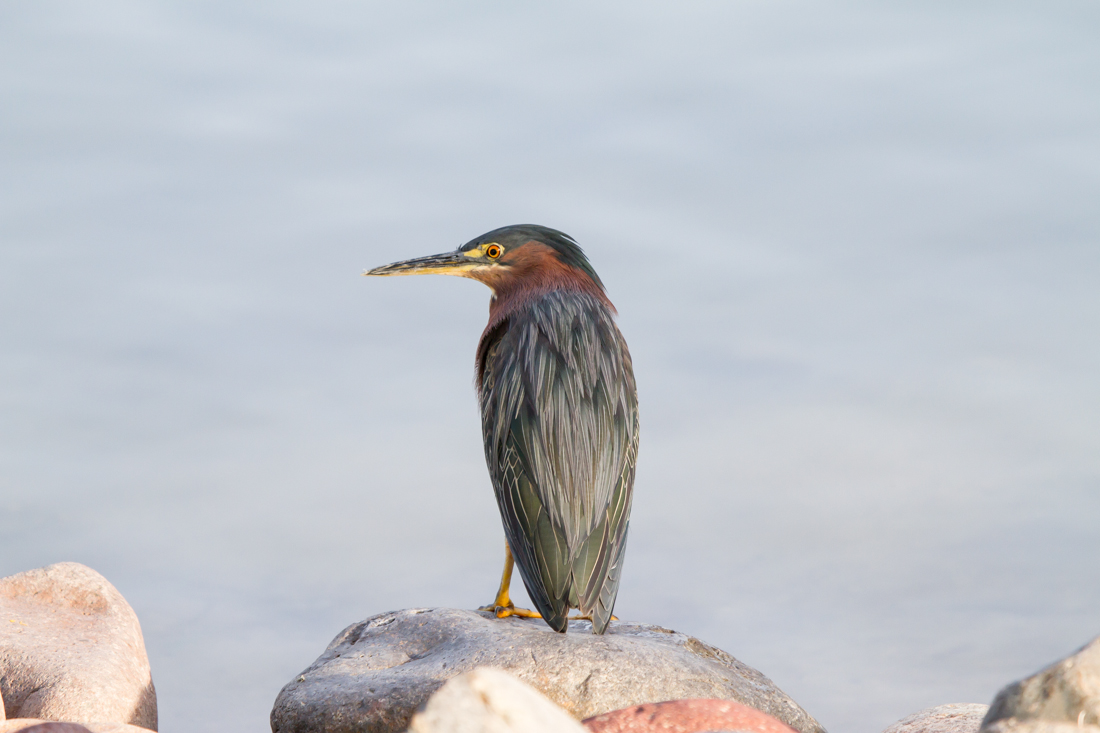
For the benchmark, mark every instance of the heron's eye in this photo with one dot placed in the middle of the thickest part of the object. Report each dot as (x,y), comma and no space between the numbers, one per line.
(493,251)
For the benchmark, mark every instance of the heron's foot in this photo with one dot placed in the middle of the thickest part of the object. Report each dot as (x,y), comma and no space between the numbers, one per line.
(509,609)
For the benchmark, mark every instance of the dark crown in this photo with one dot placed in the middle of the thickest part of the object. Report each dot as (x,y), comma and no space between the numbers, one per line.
(566,247)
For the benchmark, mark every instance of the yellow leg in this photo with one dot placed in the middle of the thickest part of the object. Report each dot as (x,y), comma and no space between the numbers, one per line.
(503,606)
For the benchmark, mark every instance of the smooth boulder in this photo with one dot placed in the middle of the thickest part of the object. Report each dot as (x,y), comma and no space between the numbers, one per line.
(489,700)
(31,725)
(1067,693)
(950,718)
(48,727)
(375,673)
(71,649)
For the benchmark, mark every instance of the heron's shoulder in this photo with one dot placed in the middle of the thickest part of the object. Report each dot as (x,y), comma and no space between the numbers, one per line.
(562,304)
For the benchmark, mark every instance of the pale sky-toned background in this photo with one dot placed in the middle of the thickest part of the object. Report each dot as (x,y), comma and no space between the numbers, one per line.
(855,248)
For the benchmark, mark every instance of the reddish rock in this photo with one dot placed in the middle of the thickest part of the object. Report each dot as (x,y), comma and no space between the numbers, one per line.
(686,716)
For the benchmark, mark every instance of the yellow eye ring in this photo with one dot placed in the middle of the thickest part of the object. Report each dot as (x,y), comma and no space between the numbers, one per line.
(493,251)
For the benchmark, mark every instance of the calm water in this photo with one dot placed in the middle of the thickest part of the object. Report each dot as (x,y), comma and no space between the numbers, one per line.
(856,252)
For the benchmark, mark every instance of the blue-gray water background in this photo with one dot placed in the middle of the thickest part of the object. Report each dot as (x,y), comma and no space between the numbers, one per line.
(855,249)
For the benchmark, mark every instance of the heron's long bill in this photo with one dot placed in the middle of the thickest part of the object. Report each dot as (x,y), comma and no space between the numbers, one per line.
(448,263)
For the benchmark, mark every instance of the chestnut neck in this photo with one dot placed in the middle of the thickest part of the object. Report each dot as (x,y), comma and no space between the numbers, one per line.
(534,270)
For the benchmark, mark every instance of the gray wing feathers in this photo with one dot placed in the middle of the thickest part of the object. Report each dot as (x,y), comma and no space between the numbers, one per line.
(560,421)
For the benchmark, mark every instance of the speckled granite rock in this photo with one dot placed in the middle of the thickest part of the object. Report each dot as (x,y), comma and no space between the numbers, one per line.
(1065,693)
(951,718)
(489,700)
(376,673)
(686,716)
(71,649)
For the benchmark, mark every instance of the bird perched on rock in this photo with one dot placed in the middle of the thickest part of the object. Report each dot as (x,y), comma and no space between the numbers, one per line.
(559,417)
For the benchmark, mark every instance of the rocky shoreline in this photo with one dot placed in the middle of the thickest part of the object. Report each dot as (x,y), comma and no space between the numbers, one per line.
(72,653)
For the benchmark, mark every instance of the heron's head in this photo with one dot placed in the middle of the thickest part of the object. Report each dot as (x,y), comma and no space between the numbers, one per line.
(520,257)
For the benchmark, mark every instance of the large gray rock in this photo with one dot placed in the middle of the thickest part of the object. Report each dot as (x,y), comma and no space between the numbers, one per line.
(490,700)
(951,718)
(71,649)
(375,673)
(1065,693)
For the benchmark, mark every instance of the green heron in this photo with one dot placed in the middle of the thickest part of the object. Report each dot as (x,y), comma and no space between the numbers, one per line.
(559,417)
